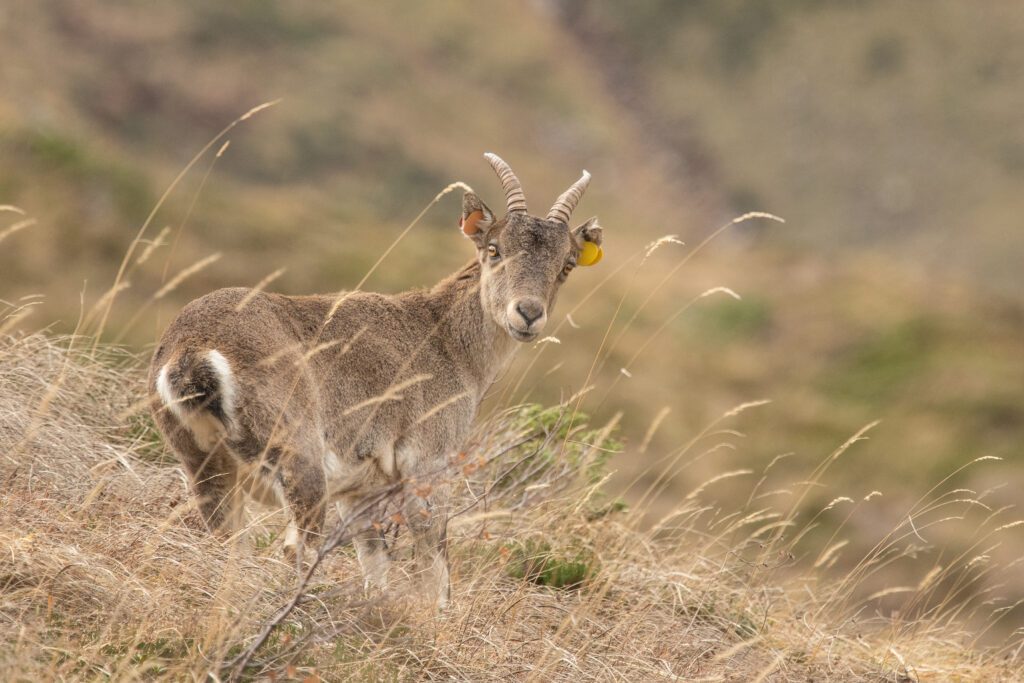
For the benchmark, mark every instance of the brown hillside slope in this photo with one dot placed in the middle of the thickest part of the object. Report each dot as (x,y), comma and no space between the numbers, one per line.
(107,573)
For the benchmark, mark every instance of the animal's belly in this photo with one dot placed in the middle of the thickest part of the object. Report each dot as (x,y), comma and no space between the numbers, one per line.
(351,476)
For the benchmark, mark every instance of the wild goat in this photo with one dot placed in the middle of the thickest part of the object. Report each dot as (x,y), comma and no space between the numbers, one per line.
(299,401)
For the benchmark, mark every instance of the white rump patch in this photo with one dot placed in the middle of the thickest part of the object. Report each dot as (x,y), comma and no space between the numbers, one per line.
(163,388)
(226,379)
(206,429)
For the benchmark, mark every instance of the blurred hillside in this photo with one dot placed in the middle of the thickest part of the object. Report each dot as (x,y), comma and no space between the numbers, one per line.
(888,135)
(890,126)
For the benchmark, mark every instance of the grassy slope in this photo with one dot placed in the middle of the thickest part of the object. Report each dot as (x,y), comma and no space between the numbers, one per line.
(110,574)
(391,106)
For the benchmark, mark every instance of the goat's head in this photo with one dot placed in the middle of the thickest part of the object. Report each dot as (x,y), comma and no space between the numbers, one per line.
(525,259)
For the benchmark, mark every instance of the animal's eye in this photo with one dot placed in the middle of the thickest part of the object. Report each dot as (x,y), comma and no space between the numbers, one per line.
(492,251)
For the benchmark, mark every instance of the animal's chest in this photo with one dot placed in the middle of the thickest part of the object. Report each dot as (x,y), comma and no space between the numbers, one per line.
(378,452)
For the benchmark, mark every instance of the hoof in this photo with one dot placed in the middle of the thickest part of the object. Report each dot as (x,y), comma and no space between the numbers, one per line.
(375,586)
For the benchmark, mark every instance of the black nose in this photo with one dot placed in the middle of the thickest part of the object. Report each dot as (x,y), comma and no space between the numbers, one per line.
(530,310)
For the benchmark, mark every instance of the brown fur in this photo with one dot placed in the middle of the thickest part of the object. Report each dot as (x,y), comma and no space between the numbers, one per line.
(321,407)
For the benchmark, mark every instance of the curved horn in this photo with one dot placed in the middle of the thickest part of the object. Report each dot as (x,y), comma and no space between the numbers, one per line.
(514,196)
(563,207)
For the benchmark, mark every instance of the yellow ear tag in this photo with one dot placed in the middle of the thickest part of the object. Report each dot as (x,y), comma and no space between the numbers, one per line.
(470,221)
(590,254)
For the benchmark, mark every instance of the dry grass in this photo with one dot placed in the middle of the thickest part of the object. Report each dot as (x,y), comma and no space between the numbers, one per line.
(107,571)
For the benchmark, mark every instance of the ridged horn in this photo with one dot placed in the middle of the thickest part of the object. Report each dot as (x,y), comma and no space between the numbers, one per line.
(514,196)
(563,207)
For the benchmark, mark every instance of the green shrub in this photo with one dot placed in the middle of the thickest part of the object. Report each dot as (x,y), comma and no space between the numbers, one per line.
(541,564)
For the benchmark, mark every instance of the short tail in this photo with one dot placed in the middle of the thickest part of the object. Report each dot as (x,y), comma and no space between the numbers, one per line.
(198,381)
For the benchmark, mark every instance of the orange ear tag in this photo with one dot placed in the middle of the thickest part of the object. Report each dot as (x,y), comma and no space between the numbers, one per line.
(590,254)
(470,221)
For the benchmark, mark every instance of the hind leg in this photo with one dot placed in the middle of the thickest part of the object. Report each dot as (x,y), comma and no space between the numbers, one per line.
(262,487)
(302,485)
(214,477)
(291,476)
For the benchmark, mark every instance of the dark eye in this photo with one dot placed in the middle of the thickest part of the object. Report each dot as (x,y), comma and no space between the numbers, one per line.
(492,251)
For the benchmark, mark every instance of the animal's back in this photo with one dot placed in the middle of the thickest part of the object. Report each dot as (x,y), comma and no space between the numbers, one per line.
(376,358)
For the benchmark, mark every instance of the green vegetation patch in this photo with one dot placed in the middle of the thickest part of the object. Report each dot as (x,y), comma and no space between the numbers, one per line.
(540,563)
(882,364)
(51,151)
(722,318)
(568,441)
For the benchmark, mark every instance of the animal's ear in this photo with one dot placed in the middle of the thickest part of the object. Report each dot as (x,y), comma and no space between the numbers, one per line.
(476,218)
(589,232)
(589,237)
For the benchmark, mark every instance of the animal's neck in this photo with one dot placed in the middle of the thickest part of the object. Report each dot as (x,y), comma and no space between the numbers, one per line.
(471,336)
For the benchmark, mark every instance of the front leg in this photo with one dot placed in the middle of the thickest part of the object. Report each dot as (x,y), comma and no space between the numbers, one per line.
(371,548)
(427,519)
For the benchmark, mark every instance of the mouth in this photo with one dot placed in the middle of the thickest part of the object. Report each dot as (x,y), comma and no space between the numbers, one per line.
(519,335)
